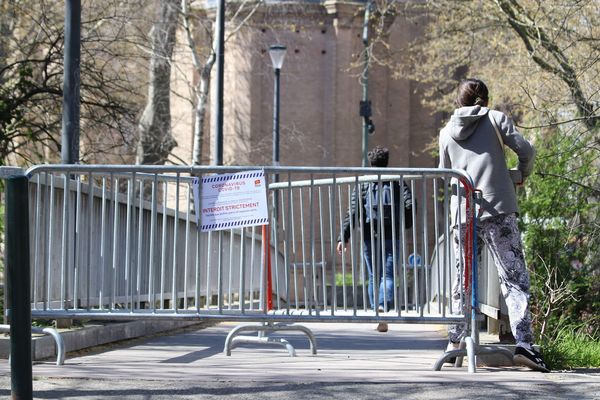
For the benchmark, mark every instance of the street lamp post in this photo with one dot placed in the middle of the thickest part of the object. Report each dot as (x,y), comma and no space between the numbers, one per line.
(217,124)
(277,53)
(71,83)
(365,103)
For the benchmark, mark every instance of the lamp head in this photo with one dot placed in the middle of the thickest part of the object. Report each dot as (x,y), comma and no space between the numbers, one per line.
(277,53)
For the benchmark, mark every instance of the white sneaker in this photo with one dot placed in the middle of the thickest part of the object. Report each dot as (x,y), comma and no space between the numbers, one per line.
(452,346)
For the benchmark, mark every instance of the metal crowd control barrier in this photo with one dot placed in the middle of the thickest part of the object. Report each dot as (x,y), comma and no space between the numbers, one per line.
(58,341)
(122,242)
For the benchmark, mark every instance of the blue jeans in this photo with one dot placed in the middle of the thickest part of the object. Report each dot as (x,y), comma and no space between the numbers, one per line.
(386,283)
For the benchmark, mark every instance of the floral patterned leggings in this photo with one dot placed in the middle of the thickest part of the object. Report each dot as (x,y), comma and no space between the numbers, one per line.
(502,237)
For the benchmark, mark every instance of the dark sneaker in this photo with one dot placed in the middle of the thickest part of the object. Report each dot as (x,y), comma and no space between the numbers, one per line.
(530,358)
(382,327)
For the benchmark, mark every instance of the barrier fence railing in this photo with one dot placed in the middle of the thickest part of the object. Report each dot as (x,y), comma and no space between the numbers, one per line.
(123,242)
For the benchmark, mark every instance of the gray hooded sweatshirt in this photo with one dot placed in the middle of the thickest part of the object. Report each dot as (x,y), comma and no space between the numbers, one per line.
(469,142)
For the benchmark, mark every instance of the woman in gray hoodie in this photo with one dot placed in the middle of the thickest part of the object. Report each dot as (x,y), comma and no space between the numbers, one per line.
(471,141)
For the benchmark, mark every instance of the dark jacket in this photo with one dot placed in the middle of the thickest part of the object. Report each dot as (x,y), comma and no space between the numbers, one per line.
(357,210)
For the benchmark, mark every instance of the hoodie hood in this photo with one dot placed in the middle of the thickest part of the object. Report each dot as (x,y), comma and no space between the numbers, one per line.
(464,121)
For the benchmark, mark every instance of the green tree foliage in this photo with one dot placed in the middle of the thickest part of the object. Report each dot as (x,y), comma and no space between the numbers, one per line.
(561,235)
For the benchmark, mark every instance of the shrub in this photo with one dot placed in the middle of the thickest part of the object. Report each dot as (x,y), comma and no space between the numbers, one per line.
(561,229)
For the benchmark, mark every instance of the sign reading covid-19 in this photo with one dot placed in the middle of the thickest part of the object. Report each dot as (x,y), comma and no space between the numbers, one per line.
(227,201)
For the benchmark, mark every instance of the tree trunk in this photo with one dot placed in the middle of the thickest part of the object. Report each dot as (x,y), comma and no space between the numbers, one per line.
(156,141)
(202,91)
(203,69)
(7,23)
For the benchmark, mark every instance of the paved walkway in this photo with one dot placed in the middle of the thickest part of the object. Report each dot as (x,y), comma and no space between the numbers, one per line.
(354,361)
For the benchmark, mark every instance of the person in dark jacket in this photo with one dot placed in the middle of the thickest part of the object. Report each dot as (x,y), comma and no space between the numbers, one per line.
(473,141)
(373,214)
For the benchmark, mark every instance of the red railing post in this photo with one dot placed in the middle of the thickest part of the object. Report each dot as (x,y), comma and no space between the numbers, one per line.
(267,258)
(468,236)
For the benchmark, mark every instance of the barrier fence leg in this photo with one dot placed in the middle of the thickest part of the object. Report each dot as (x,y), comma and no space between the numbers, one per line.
(19,304)
(267,257)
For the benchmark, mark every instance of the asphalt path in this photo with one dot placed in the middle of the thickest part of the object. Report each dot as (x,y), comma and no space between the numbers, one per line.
(353,361)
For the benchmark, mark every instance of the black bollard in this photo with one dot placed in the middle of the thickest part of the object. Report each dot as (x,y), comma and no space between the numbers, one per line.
(17,274)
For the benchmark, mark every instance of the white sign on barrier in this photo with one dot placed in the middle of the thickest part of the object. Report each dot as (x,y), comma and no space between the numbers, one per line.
(231,200)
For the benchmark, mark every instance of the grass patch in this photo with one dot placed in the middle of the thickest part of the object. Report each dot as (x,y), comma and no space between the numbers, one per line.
(573,348)
(345,279)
